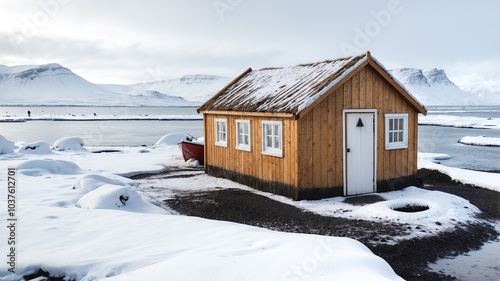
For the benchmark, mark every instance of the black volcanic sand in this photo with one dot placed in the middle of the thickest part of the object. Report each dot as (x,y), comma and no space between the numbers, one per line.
(408,258)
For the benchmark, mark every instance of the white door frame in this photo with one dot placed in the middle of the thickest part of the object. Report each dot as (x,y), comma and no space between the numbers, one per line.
(344,144)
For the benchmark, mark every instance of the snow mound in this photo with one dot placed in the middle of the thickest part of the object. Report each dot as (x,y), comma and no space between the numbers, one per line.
(171,139)
(39,147)
(69,144)
(90,182)
(36,168)
(110,196)
(6,146)
(433,157)
(481,140)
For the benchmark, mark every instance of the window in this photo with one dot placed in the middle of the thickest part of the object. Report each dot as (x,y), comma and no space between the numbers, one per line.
(272,139)
(221,132)
(243,134)
(396,131)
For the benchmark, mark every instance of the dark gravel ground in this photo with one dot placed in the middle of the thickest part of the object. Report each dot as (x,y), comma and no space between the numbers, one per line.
(408,258)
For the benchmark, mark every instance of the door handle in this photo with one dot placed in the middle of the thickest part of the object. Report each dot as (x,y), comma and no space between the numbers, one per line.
(348,150)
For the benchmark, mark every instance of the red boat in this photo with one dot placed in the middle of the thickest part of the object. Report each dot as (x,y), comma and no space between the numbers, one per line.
(191,148)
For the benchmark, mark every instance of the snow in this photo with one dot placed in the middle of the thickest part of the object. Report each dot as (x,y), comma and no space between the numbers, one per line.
(433,157)
(197,88)
(55,117)
(73,144)
(87,222)
(53,84)
(480,140)
(110,196)
(73,223)
(39,147)
(460,121)
(171,139)
(6,146)
(477,178)
(279,90)
(310,100)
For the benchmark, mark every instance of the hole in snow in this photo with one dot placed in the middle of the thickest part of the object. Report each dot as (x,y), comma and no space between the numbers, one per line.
(411,208)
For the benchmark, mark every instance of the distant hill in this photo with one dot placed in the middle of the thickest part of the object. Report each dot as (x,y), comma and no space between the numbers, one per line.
(197,88)
(53,84)
(432,87)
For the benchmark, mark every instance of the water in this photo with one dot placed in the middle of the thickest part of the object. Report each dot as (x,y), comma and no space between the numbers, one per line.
(483,264)
(98,133)
(437,139)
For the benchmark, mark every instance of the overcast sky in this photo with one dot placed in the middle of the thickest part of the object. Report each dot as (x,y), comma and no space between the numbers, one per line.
(135,41)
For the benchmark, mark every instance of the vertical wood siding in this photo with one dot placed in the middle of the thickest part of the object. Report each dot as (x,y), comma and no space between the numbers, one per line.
(320,150)
(253,163)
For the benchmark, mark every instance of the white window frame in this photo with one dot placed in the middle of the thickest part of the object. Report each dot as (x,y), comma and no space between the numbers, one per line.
(403,143)
(272,151)
(243,146)
(218,140)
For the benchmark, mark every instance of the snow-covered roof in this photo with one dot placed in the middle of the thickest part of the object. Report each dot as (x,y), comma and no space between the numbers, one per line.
(293,89)
(281,89)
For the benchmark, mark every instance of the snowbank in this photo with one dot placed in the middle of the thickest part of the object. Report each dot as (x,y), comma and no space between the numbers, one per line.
(39,147)
(74,144)
(109,196)
(40,167)
(477,178)
(480,140)
(99,240)
(89,182)
(6,146)
(171,139)
(459,121)
(433,157)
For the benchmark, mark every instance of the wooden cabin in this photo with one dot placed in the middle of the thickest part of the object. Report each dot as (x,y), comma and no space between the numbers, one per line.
(311,131)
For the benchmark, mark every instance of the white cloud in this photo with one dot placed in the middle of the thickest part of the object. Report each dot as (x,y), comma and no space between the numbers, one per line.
(115,41)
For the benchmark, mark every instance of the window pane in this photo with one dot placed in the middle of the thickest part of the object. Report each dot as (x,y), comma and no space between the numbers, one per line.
(277,142)
(276,130)
(269,141)
(223,138)
(400,136)
(269,130)
(390,137)
(246,140)
(401,124)
(246,126)
(390,124)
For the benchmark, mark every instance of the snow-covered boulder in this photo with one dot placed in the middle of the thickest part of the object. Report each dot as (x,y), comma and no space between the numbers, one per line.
(47,166)
(89,182)
(171,139)
(6,146)
(74,144)
(116,197)
(39,147)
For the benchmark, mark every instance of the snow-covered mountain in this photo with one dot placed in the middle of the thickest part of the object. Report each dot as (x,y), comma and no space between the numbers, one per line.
(53,84)
(432,87)
(197,88)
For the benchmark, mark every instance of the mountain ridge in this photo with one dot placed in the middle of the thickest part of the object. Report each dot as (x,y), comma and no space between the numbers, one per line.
(54,84)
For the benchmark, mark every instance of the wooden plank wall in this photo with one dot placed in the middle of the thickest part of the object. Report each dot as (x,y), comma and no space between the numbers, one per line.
(281,169)
(320,132)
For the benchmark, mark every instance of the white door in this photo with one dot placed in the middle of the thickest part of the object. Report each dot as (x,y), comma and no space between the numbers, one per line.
(360,153)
